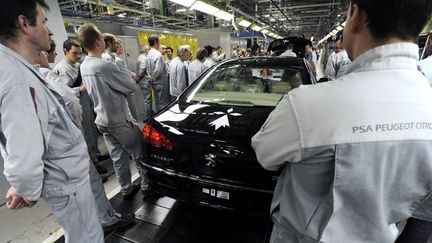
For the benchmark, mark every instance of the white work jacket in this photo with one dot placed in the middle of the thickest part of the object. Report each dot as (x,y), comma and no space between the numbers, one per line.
(40,144)
(178,77)
(355,154)
(195,69)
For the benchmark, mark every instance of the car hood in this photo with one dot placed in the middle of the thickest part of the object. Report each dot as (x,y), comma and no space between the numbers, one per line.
(213,119)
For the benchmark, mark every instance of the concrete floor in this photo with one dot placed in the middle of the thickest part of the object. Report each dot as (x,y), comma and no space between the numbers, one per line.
(38,224)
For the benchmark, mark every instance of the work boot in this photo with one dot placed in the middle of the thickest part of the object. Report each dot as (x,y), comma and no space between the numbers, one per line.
(131,194)
(123,220)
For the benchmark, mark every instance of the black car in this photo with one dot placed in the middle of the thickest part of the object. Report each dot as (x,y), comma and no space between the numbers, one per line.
(198,148)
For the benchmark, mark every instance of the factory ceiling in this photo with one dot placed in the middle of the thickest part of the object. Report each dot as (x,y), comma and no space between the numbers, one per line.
(283,17)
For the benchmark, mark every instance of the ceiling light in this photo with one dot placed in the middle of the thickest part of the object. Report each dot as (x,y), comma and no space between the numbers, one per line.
(339,28)
(224,15)
(272,20)
(264,31)
(181,10)
(122,15)
(205,7)
(186,3)
(343,24)
(256,27)
(243,22)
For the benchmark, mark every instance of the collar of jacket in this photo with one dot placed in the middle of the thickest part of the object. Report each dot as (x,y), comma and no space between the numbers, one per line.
(6,50)
(390,56)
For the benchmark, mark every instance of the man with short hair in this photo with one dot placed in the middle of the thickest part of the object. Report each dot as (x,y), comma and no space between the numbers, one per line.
(111,45)
(68,68)
(140,65)
(289,52)
(162,49)
(169,54)
(108,86)
(197,67)
(44,152)
(156,79)
(209,62)
(338,63)
(311,56)
(178,76)
(68,71)
(367,164)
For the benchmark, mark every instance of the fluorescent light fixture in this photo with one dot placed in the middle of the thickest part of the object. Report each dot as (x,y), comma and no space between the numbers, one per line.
(271,34)
(256,27)
(186,3)
(224,15)
(264,31)
(181,10)
(334,32)
(205,7)
(339,28)
(244,22)
(122,15)
(343,24)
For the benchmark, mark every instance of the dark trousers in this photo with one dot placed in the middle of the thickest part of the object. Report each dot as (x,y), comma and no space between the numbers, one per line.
(415,231)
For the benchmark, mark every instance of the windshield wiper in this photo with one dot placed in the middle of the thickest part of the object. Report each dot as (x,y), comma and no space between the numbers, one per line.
(242,103)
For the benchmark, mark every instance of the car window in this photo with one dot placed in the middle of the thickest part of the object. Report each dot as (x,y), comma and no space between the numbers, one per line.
(247,86)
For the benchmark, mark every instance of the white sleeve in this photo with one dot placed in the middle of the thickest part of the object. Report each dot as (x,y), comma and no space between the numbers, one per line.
(330,69)
(120,79)
(22,142)
(278,140)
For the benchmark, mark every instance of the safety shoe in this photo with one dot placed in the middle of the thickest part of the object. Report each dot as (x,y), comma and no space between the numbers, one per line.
(101,170)
(147,193)
(131,194)
(124,220)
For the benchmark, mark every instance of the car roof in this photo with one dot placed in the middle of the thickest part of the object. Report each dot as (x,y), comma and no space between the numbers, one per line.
(263,61)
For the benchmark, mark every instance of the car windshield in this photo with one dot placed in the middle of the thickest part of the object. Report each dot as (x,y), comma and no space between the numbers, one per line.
(246,86)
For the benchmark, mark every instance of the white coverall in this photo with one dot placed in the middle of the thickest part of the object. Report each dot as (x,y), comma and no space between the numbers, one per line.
(44,152)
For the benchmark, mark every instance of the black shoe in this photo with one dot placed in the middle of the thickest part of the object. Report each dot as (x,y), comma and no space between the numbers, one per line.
(103,157)
(101,170)
(125,220)
(131,195)
(104,178)
(147,193)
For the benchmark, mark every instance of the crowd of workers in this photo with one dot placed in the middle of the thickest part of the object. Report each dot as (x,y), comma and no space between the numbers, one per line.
(334,186)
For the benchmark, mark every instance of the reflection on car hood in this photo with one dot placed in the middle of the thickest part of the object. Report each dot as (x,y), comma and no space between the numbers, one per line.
(214,119)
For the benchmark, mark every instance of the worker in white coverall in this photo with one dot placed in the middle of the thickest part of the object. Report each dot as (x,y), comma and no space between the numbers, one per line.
(197,67)
(367,164)
(156,78)
(108,217)
(108,86)
(68,70)
(178,76)
(44,152)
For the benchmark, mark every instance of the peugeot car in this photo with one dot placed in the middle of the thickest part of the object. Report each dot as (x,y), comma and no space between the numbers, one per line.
(198,148)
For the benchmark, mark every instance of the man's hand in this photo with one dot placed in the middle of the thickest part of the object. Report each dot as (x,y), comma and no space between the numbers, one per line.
(82,88)
(14,201)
